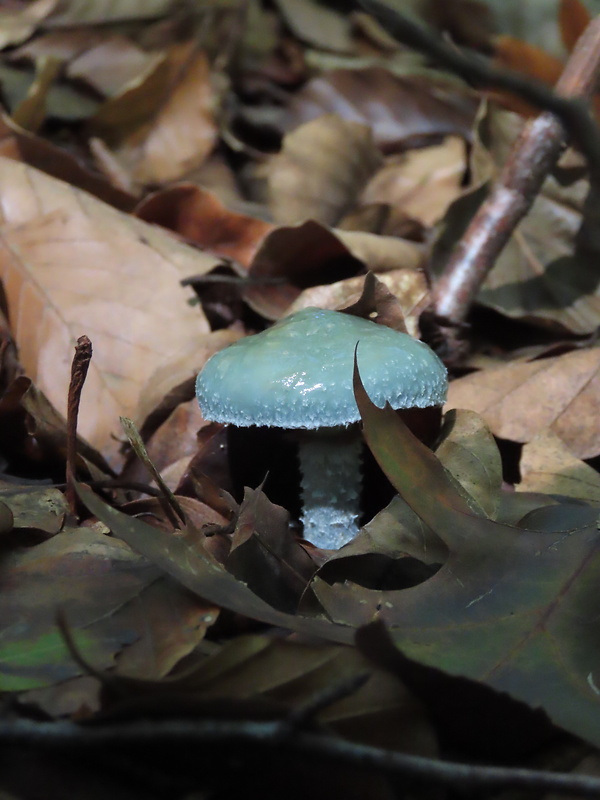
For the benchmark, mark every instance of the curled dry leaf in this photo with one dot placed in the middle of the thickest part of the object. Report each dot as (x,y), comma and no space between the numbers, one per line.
(548,466)
(70,265)
(321,169)
(518,401)
(421,182)
(183,132)
(408,286)
(297,257)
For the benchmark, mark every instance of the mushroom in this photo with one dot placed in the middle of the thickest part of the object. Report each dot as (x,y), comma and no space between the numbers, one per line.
(298,375)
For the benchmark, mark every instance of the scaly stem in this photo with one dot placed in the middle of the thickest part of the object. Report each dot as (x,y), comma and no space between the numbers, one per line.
(331,481)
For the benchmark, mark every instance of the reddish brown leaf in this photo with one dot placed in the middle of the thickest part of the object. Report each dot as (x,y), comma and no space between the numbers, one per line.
(201,217)
(573,19)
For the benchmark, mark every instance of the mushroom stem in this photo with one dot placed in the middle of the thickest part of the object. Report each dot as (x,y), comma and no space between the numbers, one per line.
(331,481)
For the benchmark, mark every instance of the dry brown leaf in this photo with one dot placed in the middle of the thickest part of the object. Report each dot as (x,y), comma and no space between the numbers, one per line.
(573,19)
(518,401)
(404,107)
(111,64)
(18,25)
(317,25)
(421,182)
(92,12)
(184,131)
(23,146)
(382,253)
(200,216)
(73,265)
(321,169)
(407,285)
(30,113)
(548,466)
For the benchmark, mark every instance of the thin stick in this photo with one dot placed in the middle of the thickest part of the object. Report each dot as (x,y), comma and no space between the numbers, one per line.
(239,735)
(79,369)
(533,155)
(480,72)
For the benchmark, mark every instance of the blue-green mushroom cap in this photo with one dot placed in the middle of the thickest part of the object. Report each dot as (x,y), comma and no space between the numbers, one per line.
(298,374)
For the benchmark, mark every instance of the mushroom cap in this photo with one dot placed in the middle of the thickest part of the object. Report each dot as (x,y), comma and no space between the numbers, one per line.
(298,374)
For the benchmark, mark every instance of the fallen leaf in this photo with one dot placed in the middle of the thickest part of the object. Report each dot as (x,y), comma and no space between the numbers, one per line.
(19,24)
(317,25)
(84,12)
(520,400)
(321,169)
(86,574)
(547,271)
(74,265)
(183,132)
(573,19)
(265,554)
(421,182)
(491,612)
(408,286)
(548,466)
(396,108)
(197,570)
(201,217)
(20,145)
(111,64)
(30,113)
(467,449)
(41,508)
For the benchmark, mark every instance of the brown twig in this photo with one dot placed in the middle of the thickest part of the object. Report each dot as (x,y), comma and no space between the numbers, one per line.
(266,736)
(79,369)
(533,155)
(565,101)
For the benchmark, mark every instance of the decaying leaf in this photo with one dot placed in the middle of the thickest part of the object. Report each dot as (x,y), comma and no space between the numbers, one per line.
(520,400)
(74,265)
(491,611)
(321,169)
(547,271)
(548,466)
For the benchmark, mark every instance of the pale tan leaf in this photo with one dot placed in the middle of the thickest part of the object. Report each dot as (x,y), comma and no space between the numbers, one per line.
(382,253)
(91,12)
(409,286)
(18,25)
(183,133)
(318,25)
(421,182)
(73,265)
(321,169)
(548,466)
(520,400)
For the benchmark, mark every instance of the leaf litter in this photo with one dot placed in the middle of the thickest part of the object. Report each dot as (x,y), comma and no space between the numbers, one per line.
(276,158)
